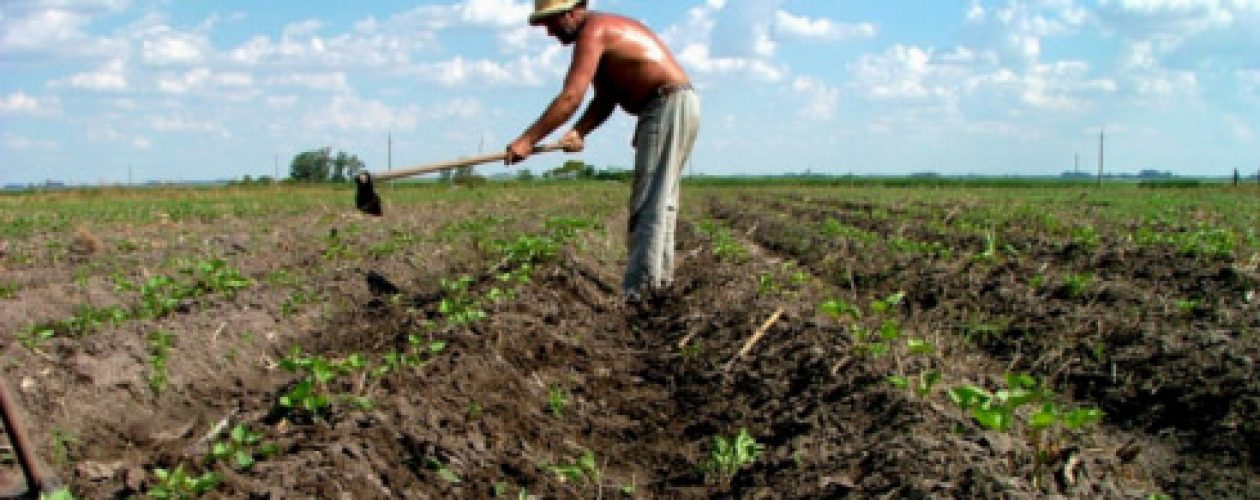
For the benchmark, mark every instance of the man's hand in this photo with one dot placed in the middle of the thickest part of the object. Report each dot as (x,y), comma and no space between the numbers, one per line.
(518,151)
(572,142)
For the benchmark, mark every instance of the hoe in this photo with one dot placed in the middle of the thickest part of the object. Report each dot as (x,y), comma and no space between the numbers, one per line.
(366,199)
(36,479)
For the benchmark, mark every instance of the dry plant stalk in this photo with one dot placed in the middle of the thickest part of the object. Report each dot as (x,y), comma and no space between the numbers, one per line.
(756,336)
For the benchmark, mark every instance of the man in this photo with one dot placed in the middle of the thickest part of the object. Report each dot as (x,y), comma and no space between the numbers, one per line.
(628,66)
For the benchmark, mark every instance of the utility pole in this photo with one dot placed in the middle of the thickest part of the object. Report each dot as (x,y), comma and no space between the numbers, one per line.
(129,182)
(1101,133)
(1076,164)
(275,169)
(389,154)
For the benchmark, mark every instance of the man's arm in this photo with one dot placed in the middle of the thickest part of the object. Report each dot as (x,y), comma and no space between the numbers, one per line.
(586,53)
(600,108)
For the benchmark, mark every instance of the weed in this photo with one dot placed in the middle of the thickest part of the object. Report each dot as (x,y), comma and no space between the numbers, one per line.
(581,471)
(179,484)
(729,455)
(443,471)
(61,441)
(9,290)
(159,344)
(57,494)
(311,393)
(458,306)
(1077,285)
(1186,307)
(557,400)
(244,447)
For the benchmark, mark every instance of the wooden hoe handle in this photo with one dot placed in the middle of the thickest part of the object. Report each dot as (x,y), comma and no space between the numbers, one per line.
(452,164)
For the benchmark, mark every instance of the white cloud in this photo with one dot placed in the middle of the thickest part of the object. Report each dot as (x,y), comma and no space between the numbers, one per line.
(19,103)
(109,77)
(181,124)
(495,12)
(823,100)
(348,112)
(331,82)
(56,27)
(792,26)
(171,48)
(23,143)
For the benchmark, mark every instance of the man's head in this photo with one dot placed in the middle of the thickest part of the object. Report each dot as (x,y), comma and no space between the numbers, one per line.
(563,18)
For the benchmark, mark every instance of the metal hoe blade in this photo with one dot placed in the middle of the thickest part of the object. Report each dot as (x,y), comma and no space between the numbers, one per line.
(365,197)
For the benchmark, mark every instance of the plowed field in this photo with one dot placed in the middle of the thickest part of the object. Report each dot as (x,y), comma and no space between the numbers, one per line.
(271,343)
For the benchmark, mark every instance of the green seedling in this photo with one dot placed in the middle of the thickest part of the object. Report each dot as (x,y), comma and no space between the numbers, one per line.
(160,343)
(443,471)
(179,484)
(244,448)
(921,385)
(458,306)
(1187,306)
(557,400)
(766,285)
(311,394)
(1078,284)
(57,494)
(9,289)
(999,411)
(581,471)
(729,455)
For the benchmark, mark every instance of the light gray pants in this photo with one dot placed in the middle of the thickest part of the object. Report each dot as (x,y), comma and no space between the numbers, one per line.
(662,140)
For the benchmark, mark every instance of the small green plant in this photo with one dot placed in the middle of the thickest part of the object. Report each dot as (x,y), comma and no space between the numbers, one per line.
(1077,284)
(1045,423)
(584,470)
(443,471)
(311,394)
(729,455)
(1187,307)
(458,306)
(725,247)
(9,289)
(160,343)
(244,447)
(875,342)
(557,400)
(766,285)
(57,494)
(179,484)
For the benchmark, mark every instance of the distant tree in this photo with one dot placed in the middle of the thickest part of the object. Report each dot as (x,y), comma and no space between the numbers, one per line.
(524,175)
(572,169)
(466,176)
(345,166)
(320,165)
(311,166)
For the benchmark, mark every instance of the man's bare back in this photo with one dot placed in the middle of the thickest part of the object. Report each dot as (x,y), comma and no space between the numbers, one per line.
(619,57)
(634,62)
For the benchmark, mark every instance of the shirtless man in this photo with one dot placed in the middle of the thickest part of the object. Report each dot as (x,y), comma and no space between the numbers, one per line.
(628,66)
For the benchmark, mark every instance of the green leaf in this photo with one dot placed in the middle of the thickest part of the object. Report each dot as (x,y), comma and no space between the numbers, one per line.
(1020,381)
(900,381)
(244,460)
(239,433)
(928,380)
(218,451)
(969,396)
(993,418)
(919,347)
(1044,418)
(889,330)
(1081,417)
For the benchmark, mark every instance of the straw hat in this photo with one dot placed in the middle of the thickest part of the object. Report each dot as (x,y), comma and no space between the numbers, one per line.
(546,8)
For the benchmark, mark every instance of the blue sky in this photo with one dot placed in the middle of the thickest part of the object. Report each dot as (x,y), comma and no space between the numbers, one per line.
(92,91)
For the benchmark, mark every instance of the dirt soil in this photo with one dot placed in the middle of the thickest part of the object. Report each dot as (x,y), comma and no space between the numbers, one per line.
(560,369)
